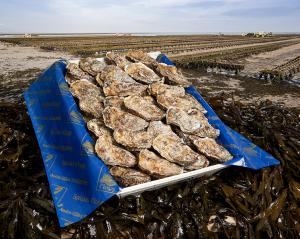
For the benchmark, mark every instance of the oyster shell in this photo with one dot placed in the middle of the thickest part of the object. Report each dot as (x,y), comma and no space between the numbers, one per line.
(210,148)
(136,140)
(142,73)
(144,107)
(171,74)
(140,56)
(129,177)
(91,65)
(187,123)
(119,59)
(83,88)
(115,118)
(114,101)
(202,162)
(158,88)
(157,127)
(191,122)
(207,130)
(111,154)
(95,126)
(172,148)
(186,102)
(90,97)
(157,166)
(74,73)
(117,83)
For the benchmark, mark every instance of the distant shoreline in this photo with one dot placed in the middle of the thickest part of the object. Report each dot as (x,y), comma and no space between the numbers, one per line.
(3,35)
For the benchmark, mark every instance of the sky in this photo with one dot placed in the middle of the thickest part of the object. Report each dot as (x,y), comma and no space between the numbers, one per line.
(91,16)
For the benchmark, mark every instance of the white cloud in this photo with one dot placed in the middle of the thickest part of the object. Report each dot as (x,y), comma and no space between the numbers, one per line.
(139,15)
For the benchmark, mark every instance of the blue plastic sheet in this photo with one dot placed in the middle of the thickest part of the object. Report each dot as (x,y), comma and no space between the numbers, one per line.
(79,181)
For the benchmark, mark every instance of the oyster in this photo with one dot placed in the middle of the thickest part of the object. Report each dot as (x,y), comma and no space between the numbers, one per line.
(83,88)
(90,97)
(157,166)
(114,101)
(111,154)
(210,148)
(74,73)
(171,74)
(157,127)
(207,130)
(129,177)
(117,83)
(91,65)
(142,73)
(144,107)
(191,122)
(173,149)
(136,140)
(95,126)
(118,59)
(158,88)
(140,56)
(115,118)
(187,123)
(202,162)
(186,102)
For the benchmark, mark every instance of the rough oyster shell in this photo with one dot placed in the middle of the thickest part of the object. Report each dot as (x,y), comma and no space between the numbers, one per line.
(91,65)
(95,126)
(140,56)
(119,59)
(114,101)
(90,97)
(157,127)
(210,148)
(135,140)
(129,177)
(115,118)
(158,88)
(83,88)
(191,122)
(142,73)
(187,123)
(117,83)
(185,102)
(144,107)
(111,154)
(172,148)
(157,166)
(171,74)
(74,73)
(202,162)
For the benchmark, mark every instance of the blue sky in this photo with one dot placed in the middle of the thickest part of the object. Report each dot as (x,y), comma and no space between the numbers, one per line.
(66,16)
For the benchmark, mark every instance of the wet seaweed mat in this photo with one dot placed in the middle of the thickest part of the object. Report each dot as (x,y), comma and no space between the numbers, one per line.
(236,203)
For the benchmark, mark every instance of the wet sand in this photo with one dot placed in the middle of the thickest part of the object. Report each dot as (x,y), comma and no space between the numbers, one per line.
(245,89)
(269,60)
(19,66)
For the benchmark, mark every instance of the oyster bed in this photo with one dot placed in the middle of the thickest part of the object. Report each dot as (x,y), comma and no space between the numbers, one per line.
(144,124)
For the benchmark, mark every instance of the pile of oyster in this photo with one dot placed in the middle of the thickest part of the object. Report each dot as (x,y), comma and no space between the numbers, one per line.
(145,125)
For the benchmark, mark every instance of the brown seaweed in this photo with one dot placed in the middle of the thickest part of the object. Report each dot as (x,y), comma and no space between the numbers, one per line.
(235,203)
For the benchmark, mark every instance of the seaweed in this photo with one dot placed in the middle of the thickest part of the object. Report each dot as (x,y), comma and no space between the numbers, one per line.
(234,203)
